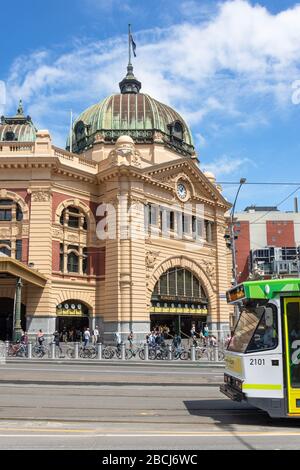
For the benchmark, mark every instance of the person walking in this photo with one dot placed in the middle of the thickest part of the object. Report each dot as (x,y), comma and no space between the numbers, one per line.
(56,340)
(130,339)
(206,334)
(24,338)
(193,335)
(95,335)
(86,337)
(40,337)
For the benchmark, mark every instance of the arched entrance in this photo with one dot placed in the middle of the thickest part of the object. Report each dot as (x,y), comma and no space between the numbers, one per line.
(72,319)
(178,301)
(7,318)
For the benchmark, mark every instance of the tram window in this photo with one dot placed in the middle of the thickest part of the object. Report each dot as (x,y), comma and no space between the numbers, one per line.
(293,319)
(266,334)
(256,330)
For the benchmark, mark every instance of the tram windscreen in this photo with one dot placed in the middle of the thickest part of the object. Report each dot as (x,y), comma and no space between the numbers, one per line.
(245,329)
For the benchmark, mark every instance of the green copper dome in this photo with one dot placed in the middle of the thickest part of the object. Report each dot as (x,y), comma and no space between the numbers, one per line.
(18,128)
(132,113)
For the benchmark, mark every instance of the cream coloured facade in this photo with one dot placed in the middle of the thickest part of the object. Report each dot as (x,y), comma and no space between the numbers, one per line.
(109,232)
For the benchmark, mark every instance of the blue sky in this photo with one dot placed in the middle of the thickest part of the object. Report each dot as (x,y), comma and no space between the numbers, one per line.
(228,67)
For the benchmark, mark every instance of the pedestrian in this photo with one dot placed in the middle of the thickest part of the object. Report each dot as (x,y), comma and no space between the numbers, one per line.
(206,334)
(227,341)
(24,338)
(56,340)
(130,339)
(118,340)
(86,337)
(96,335)
(40,337)
(193,334)
(177,342)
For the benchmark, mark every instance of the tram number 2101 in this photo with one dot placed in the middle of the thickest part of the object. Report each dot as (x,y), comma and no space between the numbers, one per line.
(257,362)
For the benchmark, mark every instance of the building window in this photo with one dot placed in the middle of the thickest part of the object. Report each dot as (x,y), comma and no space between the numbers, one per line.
(85,261)
(73,262)
(10,136)
(179,282)
(19,250)
(5,247)
(74,218)
(61,257)
(10,211)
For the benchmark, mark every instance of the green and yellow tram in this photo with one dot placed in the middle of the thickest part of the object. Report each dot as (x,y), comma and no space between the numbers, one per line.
(263,356)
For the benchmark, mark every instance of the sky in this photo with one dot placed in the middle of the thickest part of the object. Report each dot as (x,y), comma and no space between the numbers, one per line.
(230,68)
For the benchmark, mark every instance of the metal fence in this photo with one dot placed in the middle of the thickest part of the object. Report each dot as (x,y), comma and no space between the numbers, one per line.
(101,352)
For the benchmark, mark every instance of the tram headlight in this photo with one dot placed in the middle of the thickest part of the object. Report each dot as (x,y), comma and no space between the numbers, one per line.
(238,384)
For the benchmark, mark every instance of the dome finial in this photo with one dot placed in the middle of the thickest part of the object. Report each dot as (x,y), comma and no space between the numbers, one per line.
(20,111)
(130,84)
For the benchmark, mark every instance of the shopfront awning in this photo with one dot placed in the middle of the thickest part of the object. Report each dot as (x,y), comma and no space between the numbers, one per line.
(14,268)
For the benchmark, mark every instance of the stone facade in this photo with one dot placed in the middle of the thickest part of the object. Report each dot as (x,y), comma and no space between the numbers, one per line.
(126,234)
(122,271)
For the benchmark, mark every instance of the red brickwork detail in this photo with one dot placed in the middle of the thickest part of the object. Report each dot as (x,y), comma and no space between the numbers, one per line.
(25,250)
(280,233)
(55,255)
(242,247)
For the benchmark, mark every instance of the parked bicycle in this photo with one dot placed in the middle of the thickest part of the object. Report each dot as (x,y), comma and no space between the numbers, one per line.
(17,350)
(40,350)
(88,352)
(109,352)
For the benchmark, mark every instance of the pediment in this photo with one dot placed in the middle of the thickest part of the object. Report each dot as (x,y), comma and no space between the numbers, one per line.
(184,170)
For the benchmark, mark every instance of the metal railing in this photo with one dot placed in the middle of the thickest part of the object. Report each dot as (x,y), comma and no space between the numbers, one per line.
(100,352)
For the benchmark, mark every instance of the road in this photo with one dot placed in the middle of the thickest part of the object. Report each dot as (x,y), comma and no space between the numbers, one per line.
(129,407)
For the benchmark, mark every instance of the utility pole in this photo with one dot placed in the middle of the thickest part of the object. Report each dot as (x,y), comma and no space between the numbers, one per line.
(232,243)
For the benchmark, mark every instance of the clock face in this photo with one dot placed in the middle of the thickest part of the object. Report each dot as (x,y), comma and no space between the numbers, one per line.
(181,191)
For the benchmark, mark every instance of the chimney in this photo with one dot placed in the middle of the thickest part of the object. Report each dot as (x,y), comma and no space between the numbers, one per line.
(296,205)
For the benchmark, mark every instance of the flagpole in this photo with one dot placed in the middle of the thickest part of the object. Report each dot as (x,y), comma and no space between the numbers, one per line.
(71,132)
(129,42)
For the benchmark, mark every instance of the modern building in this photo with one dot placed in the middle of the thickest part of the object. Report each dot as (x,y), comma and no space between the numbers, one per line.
(268,242)
(109,232)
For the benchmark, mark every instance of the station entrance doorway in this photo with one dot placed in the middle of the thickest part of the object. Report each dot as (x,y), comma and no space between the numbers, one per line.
(179,301)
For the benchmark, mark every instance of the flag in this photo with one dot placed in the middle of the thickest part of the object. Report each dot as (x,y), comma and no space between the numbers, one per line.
(133,45)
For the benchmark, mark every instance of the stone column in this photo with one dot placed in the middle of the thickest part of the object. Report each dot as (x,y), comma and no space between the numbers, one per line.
(17,326)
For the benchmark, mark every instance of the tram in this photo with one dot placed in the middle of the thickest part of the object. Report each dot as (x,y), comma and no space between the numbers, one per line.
(262,359)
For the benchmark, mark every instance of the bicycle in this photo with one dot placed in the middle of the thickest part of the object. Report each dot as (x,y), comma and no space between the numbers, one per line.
(40,350)
(89,352)
(17,350)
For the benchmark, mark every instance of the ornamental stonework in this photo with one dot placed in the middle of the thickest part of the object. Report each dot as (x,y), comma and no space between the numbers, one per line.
(5,232)
(56,233)
(151,257)
(222,229)
(209,268)
(40,196)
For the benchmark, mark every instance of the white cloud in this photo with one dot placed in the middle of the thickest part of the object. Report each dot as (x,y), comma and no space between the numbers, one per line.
(234,60)
(226,165)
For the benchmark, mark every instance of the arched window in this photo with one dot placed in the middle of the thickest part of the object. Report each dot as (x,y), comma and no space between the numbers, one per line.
(74,218)
(179,283)
(176,130)
(10,136)
(10,211)
(73,262)
(80,130)
(5,247)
